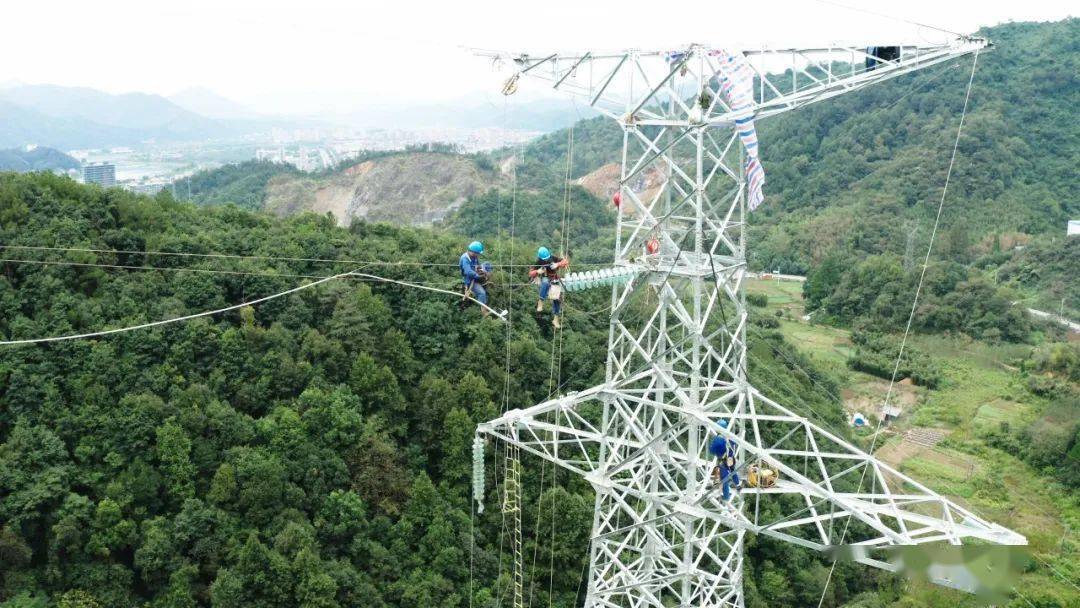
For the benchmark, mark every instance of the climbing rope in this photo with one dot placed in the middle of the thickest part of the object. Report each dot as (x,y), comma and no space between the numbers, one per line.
(208,313)
(512,457)
(536,531)
(564,245)
(914,306)
(472,532)
(789,390)
(566,253)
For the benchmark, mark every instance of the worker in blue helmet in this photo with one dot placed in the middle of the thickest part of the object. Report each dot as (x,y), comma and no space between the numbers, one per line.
(475,274)
(546,271)
(724,450)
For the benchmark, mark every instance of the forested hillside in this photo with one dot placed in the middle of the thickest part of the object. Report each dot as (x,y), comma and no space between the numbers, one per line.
(314,450)
(881,154)
(311,451)
(242,184)
(861,175)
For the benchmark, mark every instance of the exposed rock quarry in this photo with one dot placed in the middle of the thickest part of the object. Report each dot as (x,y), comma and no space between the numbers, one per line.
(417,189)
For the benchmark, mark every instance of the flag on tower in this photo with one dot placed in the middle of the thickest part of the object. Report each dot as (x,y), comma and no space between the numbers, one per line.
(736,79)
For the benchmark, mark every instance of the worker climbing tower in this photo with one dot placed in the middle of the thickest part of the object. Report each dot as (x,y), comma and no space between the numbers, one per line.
(662,534)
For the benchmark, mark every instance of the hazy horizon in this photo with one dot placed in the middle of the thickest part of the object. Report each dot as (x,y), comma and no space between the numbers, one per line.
(337,59)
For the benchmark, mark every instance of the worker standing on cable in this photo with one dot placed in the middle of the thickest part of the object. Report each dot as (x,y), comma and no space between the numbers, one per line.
(546,270)
(724,451)
(474,274)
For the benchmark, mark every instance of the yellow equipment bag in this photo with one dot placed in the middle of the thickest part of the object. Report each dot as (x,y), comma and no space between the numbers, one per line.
(760,476)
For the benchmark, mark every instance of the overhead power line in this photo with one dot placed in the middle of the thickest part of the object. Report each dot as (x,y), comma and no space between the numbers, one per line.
(162,268)
(269,275)
(250,257)
(859,9)
(914,303)
(352,274)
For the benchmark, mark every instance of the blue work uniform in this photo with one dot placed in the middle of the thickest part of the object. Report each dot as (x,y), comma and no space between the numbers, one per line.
(722,449)
(550,276)
(470,275)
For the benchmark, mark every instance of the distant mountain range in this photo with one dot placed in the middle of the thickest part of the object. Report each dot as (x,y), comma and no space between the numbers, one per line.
(79,117)
(36,158)
(128,110)
(20,126)
(205,102)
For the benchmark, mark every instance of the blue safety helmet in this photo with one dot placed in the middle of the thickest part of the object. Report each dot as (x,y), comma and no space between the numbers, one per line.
(723,424)
(543,253)
(476,247)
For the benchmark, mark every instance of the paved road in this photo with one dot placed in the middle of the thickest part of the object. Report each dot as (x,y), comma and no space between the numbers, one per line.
(1049,316)
(1038,314)
(768,276)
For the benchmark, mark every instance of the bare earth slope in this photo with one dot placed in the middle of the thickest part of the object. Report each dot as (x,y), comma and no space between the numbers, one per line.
(604,181)
(416,188)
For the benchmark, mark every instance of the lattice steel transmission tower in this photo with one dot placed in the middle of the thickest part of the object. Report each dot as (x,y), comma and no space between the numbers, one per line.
(677,353)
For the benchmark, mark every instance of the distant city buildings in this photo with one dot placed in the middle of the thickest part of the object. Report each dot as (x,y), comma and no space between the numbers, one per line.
(301,157)
(102,174)
(274,155)
(148,187)
(149,168)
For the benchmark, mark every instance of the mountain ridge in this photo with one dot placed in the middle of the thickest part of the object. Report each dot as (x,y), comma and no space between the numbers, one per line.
(82,117)
(208,103)
(36,158)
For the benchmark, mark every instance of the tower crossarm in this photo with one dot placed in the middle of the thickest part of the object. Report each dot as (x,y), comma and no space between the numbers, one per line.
(632,85)
(833,480)
(825,480)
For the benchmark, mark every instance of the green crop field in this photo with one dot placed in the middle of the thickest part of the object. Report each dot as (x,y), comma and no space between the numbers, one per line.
(982,388)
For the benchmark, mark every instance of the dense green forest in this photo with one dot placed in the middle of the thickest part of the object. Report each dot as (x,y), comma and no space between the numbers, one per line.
(242,184)
(310,451)
(588,225)
(314,450)
(876,290)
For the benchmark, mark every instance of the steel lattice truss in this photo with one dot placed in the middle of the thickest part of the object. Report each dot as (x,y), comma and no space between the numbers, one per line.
(662,535)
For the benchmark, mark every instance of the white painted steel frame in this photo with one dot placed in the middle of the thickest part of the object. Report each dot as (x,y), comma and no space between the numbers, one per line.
(662,535)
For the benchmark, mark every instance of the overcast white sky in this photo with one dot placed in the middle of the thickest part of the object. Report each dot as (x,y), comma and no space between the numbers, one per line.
(315,56)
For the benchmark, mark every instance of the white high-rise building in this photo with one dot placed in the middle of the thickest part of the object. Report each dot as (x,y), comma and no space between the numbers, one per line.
(102,174)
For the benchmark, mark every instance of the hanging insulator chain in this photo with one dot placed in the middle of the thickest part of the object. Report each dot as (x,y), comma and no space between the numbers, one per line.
(478,472)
